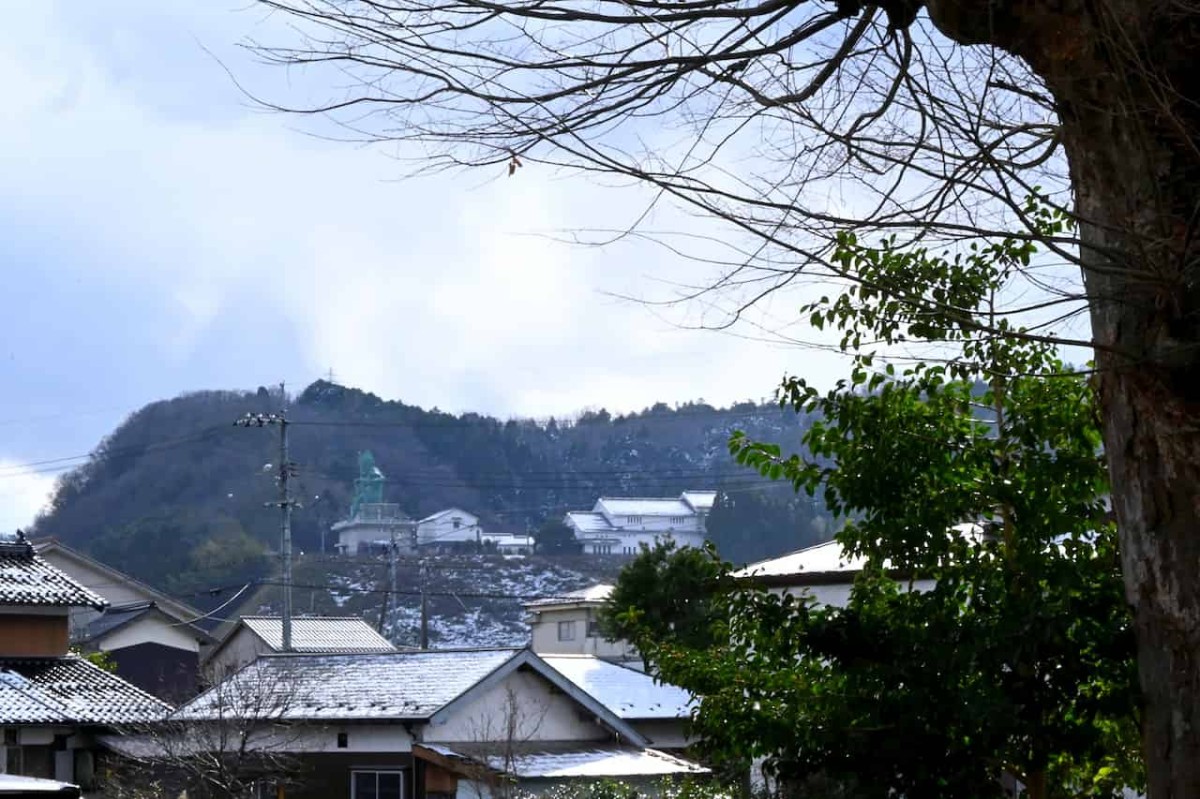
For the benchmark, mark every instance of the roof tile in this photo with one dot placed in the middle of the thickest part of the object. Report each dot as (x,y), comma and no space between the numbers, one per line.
(70,690)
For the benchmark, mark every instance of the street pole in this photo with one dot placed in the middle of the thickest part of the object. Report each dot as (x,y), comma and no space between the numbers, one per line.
(285,504)
(424,610)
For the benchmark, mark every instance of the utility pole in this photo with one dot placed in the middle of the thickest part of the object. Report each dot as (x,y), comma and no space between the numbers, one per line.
(424,609)
(285,503)
(392,584)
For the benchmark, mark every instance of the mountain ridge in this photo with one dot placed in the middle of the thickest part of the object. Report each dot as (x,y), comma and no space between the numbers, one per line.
(176,494)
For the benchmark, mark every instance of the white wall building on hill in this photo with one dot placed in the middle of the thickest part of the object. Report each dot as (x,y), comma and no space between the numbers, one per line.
(621,525)
(449,526)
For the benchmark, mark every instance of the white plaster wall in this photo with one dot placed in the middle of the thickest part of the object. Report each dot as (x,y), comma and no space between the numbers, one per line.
(241,648)
(543,714)
(150,629)
(442,529)
(366,533)
(544,636)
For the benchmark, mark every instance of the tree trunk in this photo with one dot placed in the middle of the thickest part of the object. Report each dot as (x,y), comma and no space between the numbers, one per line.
(1125,75)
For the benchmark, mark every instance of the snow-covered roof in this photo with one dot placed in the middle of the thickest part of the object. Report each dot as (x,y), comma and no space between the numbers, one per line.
(566,761)
(447,512)
(643,506)
(628,693)
(595,594)
(586,521)
(822,558)
(700,500)
(827,558)
(394,685)
(16,785)
(320,634)
(70,690)
(27,579)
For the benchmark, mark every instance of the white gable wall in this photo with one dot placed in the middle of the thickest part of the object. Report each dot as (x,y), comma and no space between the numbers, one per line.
(451,526)
(150,629)
(542,713)
(242,647)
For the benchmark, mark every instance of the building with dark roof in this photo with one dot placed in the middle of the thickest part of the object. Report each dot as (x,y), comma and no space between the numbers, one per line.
(53,704)
(156,641)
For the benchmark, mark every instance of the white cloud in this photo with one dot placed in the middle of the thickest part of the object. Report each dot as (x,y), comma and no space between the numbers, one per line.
(226,226)
(23,493)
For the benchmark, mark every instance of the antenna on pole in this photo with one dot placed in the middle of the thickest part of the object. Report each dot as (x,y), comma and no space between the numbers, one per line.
(285,503)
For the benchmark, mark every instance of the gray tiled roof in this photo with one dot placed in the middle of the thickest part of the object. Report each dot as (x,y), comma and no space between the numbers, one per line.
(320,634)
(396,685)
(26,579)
(73,691)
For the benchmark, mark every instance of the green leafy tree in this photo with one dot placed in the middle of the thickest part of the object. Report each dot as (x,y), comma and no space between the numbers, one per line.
(666,595)
(981,476)
(555,538)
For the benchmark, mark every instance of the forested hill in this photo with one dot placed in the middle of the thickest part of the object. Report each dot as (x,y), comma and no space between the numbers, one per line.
(176,494)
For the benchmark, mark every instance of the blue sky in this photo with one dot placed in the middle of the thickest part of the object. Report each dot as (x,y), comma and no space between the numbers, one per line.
(161,234)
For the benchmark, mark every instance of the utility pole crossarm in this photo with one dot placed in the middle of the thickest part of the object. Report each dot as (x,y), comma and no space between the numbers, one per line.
(285,471)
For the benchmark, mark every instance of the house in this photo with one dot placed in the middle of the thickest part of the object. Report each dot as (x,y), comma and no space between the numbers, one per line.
(421,725)
(569,625)
(621,525)
(155,641)
(314,635)
(53,704)
(374,527)
(659,711)
(448,527)
(823,572)
(509,543)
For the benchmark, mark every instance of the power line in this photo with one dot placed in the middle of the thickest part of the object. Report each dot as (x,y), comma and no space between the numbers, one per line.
(21,469)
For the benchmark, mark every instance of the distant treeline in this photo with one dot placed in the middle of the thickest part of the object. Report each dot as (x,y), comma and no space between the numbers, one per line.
(176,494)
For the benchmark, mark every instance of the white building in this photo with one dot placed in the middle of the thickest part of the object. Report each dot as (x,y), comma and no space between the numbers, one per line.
(449,526)
(569,625)
(621,525)
(372,529)
(509,543)
(824,572)
(465,724)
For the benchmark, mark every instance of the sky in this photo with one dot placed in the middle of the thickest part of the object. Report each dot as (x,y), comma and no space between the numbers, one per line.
(160,233)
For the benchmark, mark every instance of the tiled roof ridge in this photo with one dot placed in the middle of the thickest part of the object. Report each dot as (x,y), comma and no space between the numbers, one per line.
(267,617)
(409,652)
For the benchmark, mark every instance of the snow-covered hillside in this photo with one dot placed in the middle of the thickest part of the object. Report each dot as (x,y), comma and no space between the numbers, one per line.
(473,600)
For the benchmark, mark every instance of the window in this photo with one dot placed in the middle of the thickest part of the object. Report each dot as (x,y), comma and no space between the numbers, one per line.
(593,628)
(376,784)
(343,740)
(566,631)
(678,520)
(457,522)
(633,519)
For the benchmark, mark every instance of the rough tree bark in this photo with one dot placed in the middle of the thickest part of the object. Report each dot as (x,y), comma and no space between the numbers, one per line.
(1125,75)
